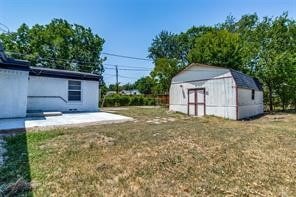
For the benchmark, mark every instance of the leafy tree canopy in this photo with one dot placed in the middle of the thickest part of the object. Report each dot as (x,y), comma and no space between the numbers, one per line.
(145,85)
(219,48)
(58,44)
(165,69)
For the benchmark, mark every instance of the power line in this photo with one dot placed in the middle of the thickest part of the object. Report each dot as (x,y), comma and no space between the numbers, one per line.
(107,64)
(104,53)
(120,76)
(126,77)
(114,66)
(124,56)
(128,68)
(7,31)
(1,29)
(135,69)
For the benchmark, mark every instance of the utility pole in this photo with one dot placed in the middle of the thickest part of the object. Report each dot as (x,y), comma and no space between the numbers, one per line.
(117,84)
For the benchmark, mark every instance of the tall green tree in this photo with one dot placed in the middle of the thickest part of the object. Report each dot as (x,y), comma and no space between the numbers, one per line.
(128,86)
(275,62)
(166,45)
(58,44)
(145,85)
(165,69)
(220,48)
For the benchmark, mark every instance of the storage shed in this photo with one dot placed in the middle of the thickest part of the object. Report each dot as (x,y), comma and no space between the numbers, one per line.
(34,89)
(200,90)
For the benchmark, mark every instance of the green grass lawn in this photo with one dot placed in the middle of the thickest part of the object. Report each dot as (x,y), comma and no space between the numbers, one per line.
(159,154)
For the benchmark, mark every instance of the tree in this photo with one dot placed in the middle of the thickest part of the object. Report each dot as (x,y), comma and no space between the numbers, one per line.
(166,45)
(276,57)
(220,48)
(145,85)
(285,75)
(58,44)
(128,86)
(113,87)
(175,46)
(165,69)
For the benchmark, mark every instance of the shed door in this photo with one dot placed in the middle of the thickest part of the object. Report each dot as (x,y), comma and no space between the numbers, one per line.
(201,102)
(192,103)
(196,102)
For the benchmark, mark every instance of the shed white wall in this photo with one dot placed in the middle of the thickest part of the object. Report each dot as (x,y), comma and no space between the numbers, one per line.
(13,93)
(248,107)
(49,87)
(219,87)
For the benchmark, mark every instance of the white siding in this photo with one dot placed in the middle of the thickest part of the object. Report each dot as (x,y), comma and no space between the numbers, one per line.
(13,93)
(247,106)
(220,92)
(43,89)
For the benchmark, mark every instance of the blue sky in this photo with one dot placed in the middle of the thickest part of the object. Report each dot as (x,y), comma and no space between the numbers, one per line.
(128,26)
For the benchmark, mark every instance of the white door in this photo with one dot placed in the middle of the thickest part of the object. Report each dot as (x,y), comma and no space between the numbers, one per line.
(200,102)
(191,102)
(196,102)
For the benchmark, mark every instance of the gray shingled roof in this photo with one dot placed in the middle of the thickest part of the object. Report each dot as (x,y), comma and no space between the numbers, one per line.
(244,81)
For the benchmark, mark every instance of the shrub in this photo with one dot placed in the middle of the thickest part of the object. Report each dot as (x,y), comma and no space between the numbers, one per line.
(117,100)
(124,100)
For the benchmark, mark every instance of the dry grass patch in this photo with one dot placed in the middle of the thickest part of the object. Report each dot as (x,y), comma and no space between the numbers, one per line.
(177,156)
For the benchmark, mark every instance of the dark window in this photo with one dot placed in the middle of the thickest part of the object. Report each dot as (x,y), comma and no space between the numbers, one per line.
(74,90)
(253,94)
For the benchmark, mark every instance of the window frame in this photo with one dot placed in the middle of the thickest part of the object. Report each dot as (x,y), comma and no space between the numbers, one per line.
(73,90)
(253,94)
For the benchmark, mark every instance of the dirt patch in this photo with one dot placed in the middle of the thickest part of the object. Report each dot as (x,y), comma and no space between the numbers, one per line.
(82,140)
(149,107)
(159,120)
(277,117)
(113,109)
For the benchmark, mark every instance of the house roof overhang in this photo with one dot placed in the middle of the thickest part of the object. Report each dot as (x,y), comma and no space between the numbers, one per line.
(13,64)
(56,73)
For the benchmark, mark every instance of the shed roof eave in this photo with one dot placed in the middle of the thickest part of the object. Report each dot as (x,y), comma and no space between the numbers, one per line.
(55,73)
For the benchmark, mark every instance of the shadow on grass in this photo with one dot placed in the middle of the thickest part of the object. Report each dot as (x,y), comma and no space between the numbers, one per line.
(254,117)
(15,175)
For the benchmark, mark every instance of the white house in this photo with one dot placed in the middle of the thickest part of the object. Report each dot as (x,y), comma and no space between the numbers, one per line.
(130,92)
(24,88)
(201,90)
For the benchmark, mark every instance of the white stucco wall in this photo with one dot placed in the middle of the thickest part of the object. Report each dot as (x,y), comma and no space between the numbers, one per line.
(13,93)
(46,86)
(248,107)
(220,91)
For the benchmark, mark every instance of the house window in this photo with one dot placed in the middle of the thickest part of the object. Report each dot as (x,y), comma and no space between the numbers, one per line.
(253,94)
(74,90)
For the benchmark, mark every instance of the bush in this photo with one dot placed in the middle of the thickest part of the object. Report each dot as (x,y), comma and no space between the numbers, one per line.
(124,100)
(117,100)
(149,101)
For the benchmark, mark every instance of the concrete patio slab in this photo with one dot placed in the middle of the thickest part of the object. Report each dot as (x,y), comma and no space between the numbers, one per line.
(71,119)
